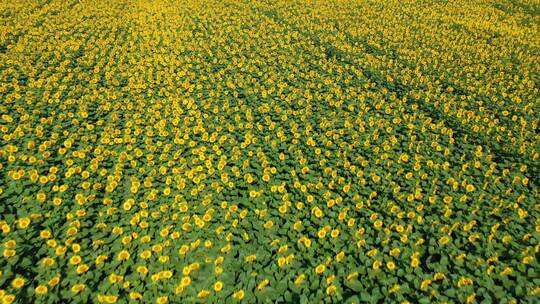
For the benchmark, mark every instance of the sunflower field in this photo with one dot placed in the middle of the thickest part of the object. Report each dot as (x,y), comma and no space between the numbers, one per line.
(272,151)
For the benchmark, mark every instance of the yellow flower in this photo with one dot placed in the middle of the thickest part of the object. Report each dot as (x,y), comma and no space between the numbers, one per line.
(5,228)
(185,281)
(527,259)
(317,212)
(300,279)
(8,299)
(203,293)
(142,269)
(9,253)
(218,286)
(390,265)
(263,284)
(250,258)
(352,276)
(78,288)
(100,259)
(463,281)
(425,283)
(10,244)
(82,268)
(182,251)
(18,283)
(123,255)
(128,204)
(282,261)
(24,222)
(331,289)
(146,254)
(239,295)
(110,299)
(45,234)
(404,157)
(41,197)
(507,271)
(395,252)
(444,240)
(372,252)
(320,269)
(179,289)
(54,281)
(41,289)
(162,300)
(74,260)
(268,224)
(439,276)
(135,295)
(340,256)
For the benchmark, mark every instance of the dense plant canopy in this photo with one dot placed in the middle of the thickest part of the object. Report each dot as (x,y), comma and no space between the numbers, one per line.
(269,151)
